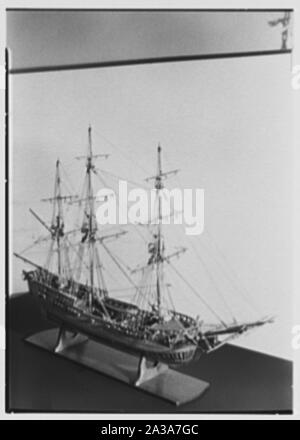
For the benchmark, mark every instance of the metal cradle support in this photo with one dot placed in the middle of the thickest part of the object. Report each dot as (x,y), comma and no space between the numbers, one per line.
(68,339)
(146,373)
(154,378)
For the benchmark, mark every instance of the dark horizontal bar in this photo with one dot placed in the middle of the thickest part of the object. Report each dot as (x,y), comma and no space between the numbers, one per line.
(131,62)
(153,10)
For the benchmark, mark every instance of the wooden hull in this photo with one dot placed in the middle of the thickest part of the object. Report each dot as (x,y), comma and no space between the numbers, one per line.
(61,308)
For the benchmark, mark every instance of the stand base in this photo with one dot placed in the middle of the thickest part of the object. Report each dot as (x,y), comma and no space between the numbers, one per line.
(168,384)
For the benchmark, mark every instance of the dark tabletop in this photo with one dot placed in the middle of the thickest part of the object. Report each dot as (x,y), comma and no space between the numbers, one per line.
(240,380)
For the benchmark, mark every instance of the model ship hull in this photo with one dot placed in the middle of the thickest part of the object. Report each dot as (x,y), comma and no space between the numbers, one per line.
(65,310)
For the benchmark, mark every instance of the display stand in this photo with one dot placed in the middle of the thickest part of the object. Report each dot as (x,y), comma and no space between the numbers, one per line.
(157,379)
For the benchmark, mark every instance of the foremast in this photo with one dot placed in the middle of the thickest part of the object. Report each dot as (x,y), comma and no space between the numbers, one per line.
(56,229)
(58,220)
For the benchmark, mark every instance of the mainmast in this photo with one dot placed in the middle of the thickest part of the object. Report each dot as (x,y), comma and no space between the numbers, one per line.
(57,223)
(92,226)
(159,259)
(89,231)
(59,228)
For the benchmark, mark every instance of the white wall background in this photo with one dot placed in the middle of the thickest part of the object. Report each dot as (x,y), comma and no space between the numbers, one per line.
(226,126)
(225,123)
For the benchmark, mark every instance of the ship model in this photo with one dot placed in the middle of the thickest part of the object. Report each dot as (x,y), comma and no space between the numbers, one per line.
(154,333)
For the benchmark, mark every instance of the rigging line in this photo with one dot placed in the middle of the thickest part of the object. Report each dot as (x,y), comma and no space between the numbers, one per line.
(170,297)
(125,288)
(65,182)
(112,256)
(117,197)
(148,227)
(148,295)
(67,189)
(100,280)
(176,176)
(245,296)
(79,210)
(78,263)
(64,262)
(47,264)
(115,176)
(39,240)
(127,156)
(183,292)
(143,293)
(122,262)
(67,259)
(100,299)
(37,217)
(139,233)
(67,178)
(86,210)
(163,285)
(234,278)
(197,294)
(152,288)
(142,286)
(236,289)
(147,292)
(165,303)
(151,297)
(202,261)
(77,253)
(210,276)
(99,271)
(37,252)
(102,180)
(213,281)
(101,283)
(116,280)
(54,201)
